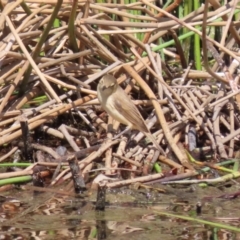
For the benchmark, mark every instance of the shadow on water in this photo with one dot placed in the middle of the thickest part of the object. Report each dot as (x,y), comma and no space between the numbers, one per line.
(129,214)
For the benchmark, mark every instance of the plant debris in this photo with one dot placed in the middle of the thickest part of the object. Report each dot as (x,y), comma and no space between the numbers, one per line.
(52,55)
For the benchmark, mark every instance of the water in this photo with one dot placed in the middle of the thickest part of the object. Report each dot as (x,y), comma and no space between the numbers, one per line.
(130,214)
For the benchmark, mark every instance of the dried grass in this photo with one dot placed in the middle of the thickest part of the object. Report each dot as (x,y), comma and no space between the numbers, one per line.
(95,38)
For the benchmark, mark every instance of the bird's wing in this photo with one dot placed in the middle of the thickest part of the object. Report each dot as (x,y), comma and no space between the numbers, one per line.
(130,112)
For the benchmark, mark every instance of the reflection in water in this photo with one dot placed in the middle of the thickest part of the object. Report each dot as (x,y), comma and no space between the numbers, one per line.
(127,216)
(101,229)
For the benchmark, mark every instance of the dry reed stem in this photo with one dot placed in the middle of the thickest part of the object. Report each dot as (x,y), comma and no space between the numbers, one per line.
(159,113)
(138,179)
(108,45)
(31,61)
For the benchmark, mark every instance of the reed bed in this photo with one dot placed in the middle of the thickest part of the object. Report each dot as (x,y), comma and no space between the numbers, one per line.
(178,70)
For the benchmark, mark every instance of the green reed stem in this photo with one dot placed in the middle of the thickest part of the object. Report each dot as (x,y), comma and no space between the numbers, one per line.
(38,47)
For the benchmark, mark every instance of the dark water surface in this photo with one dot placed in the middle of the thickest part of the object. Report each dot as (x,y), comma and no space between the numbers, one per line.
(129,214)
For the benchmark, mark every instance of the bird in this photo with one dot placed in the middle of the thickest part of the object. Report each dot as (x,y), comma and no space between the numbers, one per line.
(120,107)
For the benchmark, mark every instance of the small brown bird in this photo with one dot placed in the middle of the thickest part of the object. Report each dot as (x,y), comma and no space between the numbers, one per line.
(120,107)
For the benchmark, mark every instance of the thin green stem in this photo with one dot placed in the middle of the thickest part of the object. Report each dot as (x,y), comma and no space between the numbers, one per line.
(213,224)
(15,180)
(169,43)
(197,47)
(15,164)
(37,50)
(71,28)
(26,8)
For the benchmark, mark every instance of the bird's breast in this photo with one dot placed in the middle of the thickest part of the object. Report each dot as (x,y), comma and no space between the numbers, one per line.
(114,113)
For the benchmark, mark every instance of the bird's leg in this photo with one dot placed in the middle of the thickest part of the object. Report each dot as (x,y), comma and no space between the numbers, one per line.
(121,133)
